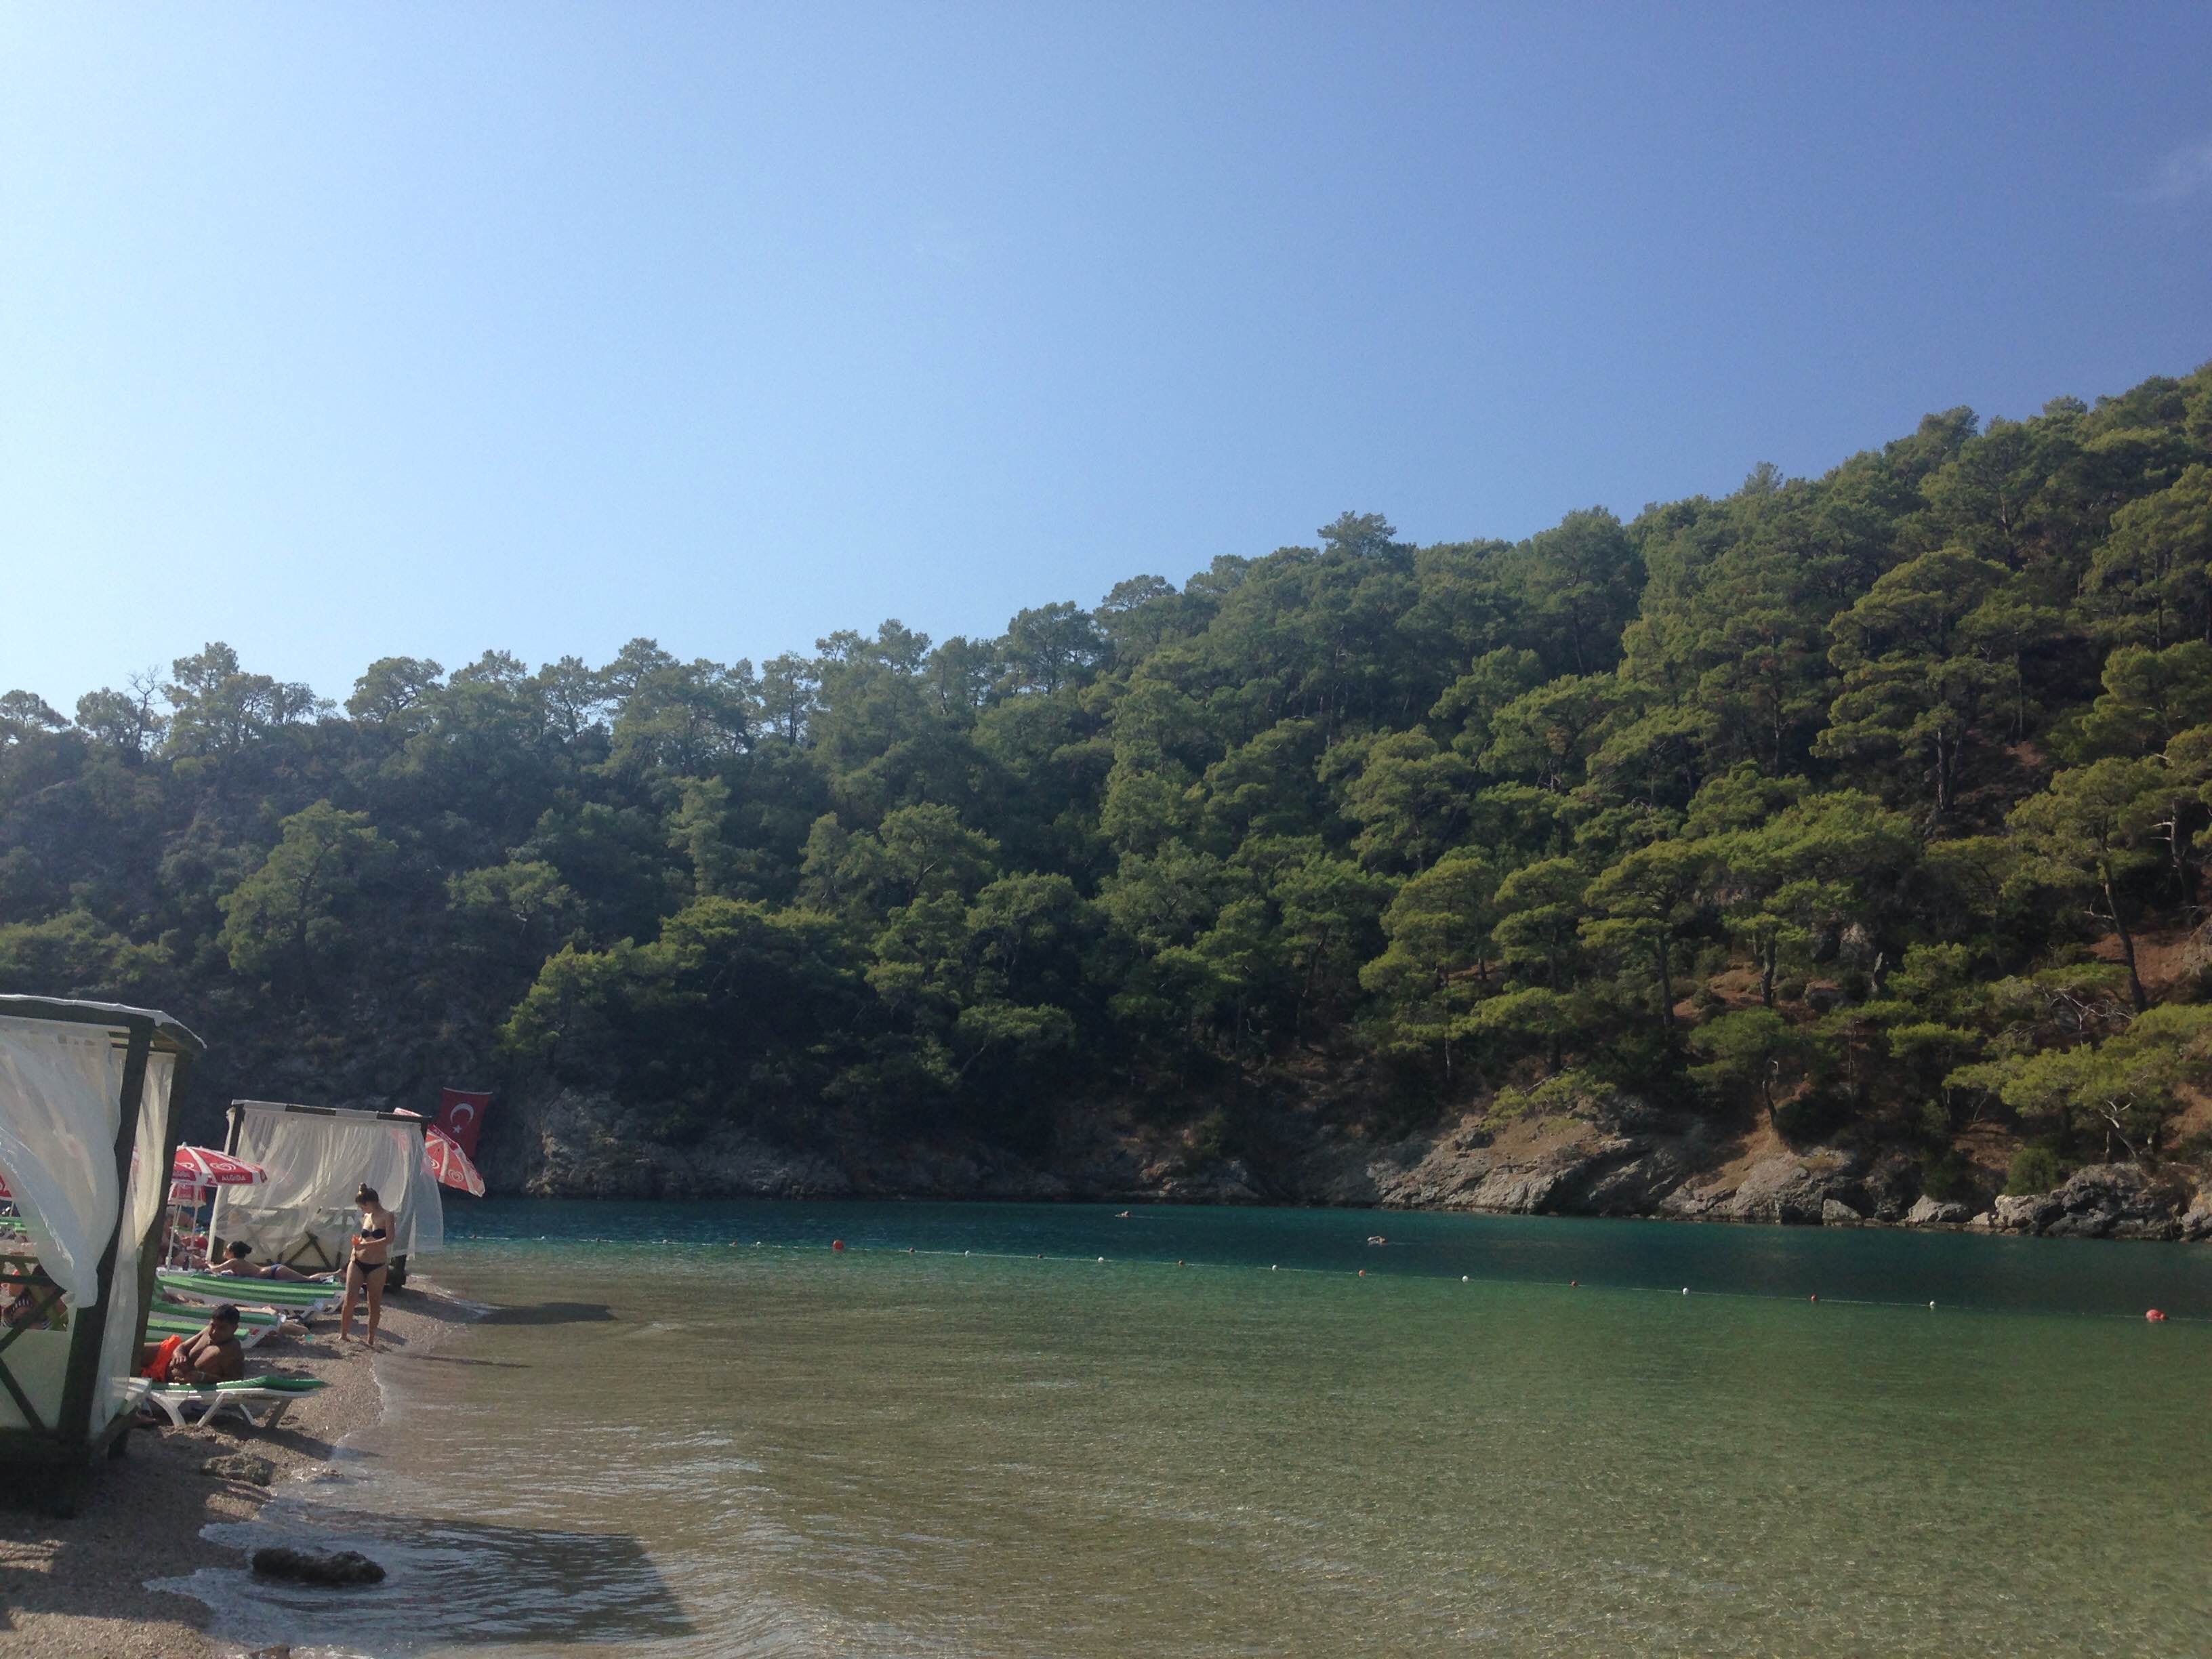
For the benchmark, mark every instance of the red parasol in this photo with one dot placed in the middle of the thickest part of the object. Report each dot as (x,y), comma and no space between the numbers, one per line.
(203,1166)
(449,1164)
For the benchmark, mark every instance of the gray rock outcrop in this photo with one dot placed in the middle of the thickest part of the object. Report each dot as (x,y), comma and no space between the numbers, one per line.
(2105,1201)
(1583,1168)
(1935,1212)
(1792,1188)
(2197,1221)
(1892,1186)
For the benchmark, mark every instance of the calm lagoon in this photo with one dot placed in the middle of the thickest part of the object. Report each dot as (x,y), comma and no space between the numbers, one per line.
(697,1430)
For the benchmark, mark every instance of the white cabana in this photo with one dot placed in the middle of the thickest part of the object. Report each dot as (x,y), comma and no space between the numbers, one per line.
(86,1136)
(316,1155)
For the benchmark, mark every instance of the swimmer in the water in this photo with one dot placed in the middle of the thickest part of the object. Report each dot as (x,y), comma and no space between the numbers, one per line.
(1376,1238)
(1122,1216)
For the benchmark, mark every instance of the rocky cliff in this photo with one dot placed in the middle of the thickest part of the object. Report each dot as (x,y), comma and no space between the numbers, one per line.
(1621,1159)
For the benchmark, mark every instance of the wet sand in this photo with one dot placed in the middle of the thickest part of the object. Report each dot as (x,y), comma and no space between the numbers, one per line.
(76,1587)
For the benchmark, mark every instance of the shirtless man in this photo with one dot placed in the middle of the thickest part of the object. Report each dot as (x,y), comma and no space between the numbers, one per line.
(372,1260)
(213,1355)
(237,1263)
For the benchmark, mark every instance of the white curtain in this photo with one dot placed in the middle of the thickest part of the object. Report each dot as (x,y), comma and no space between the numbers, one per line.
(149,1190)
(314,1162)
(61,1085)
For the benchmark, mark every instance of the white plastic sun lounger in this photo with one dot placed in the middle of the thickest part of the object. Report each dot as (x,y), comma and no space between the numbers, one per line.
(172,1398)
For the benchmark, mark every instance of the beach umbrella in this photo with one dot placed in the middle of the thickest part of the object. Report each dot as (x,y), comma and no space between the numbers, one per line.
(193,1177)
(203,1166)
(450,1165)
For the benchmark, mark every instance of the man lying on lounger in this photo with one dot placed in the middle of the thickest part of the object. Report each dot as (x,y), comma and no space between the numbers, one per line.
(212,1355)
(238,1263)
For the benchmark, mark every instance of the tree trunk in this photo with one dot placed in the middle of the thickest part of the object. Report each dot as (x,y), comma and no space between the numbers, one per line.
(2127,945)
(2184,877)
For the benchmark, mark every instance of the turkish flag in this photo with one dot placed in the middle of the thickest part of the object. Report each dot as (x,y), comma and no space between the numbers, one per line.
(460,1115)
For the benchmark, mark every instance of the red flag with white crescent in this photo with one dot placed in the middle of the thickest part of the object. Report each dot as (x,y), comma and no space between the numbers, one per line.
(460,1115)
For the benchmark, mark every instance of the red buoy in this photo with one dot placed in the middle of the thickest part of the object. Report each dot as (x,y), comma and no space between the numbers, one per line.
(837,1243)
(1363,1272)
(2155,1316)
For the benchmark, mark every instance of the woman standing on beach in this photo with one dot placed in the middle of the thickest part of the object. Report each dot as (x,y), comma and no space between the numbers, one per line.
(372,1260)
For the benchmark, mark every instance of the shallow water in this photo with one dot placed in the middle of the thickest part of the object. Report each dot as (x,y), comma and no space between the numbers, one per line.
(678,1440)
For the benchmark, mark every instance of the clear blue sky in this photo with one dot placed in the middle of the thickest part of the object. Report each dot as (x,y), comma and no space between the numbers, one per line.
(342,332)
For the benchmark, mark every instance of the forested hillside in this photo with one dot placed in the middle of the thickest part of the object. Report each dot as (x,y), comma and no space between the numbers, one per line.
(1863,806)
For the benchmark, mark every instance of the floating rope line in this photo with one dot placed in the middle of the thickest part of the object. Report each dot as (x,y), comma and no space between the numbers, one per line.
(1813,1298)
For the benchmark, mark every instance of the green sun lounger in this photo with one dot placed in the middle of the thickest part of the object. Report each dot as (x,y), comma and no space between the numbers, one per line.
(272,1396)
(226,1287)
(198,1313)
(160,1325)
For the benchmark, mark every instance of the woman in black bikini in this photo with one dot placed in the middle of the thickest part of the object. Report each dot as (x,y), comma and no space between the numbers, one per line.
(372,1258)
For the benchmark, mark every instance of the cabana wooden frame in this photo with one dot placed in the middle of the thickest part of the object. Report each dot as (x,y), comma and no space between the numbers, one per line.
(65,1449)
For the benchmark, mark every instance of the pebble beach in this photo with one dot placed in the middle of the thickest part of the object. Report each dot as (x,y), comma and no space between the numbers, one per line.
(76,1587)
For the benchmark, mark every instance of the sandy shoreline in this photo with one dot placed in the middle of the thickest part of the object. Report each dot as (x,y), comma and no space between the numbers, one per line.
(76,1587)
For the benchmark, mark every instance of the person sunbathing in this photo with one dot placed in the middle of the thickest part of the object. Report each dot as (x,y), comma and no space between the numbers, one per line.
(212,1355)
(237,1263)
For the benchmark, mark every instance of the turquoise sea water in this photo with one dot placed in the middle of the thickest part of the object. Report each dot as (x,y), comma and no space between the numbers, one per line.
(698,1429)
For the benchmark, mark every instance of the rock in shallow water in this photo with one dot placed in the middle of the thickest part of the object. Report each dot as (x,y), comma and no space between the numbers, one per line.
(318,1567)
